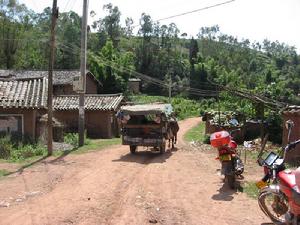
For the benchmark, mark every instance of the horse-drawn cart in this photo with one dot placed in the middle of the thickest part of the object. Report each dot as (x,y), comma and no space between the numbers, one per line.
(146,125)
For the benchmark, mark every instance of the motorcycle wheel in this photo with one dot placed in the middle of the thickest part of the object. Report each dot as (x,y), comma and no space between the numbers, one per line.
(274,205)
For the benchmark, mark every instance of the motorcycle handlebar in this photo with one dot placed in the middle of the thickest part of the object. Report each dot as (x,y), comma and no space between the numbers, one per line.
(290,146)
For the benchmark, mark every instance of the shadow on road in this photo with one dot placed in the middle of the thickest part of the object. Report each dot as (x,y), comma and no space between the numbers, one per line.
(146,157)
(21,169)
(225,193)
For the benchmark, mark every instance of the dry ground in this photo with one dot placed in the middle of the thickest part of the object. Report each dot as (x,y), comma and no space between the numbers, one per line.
(114,187)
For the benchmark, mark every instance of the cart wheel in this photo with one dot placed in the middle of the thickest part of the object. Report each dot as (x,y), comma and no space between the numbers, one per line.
(162,148)
(133,149)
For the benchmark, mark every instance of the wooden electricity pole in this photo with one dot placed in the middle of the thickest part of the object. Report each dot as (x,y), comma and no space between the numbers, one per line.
(83,72)
(50,78)
(170,88)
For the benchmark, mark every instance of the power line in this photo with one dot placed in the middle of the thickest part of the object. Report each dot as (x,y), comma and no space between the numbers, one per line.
(196,10)
(68,4)
(190,12)
(271,103)
(146,78)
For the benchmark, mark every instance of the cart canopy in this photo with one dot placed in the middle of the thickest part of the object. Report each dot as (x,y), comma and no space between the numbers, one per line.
(147,109)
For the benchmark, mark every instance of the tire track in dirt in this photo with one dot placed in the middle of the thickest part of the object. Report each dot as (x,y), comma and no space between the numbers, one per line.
(115,187)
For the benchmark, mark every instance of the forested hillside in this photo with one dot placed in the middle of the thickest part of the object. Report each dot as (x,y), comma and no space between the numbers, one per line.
(158,50)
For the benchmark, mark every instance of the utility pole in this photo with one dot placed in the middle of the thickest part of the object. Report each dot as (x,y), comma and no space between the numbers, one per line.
(83,72)
(50,78)
(170,88)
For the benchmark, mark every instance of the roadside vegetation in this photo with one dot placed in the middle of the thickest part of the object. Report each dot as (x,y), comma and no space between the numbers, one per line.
(15,150)
(184,108)
(250,189)
(197,134)
(22,152)
(3,172)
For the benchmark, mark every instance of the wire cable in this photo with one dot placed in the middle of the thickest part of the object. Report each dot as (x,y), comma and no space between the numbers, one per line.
(190,12)
(144,77)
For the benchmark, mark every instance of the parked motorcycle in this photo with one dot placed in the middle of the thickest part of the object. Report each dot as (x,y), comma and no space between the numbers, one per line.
(279,196)
(231,163)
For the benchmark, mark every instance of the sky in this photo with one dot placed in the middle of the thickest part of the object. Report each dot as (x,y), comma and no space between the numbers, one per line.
(252,19)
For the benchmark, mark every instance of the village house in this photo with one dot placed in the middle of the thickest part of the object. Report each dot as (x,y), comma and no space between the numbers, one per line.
(23,101)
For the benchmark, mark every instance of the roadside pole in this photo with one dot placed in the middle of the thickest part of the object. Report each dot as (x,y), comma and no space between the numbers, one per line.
(81,115)
(170,88)
(50,78)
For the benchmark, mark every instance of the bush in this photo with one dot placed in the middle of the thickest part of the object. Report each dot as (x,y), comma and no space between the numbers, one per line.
(15,150)
(206,139)
(27,151)
(6,147)
(73,139)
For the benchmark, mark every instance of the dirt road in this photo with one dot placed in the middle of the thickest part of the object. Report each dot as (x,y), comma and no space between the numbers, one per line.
(114,187)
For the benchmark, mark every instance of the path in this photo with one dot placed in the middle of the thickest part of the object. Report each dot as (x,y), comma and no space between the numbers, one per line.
(115,187)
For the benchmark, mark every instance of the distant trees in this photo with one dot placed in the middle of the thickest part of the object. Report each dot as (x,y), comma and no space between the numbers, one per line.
(157,50)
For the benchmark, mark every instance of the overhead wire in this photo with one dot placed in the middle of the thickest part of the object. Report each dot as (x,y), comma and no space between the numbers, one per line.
(190,12)
(74,3)
(146,78)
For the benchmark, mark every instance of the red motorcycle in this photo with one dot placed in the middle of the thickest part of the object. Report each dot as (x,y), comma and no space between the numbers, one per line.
(232,165)
(279,196)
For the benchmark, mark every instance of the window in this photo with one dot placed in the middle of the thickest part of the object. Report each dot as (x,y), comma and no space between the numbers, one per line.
(11,123)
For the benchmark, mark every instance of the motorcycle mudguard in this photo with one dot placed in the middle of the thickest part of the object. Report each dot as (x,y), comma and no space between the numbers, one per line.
(271,188)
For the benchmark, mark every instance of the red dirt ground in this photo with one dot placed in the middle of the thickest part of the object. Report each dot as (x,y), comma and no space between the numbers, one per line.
(113,186)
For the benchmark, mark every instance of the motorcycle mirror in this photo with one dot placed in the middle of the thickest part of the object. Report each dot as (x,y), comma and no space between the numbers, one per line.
(289,124)
(260,161)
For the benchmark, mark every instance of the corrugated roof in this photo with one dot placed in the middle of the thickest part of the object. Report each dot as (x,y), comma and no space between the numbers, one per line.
(92,102)
(60,77)
(30,93)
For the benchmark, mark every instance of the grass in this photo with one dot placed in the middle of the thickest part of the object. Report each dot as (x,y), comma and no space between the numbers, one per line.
(251,190)
(3,172)
(91,145)
(196,134)
(96,144)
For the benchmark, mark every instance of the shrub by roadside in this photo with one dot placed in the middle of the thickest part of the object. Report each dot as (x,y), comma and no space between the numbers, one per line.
(15,151)
(73,139)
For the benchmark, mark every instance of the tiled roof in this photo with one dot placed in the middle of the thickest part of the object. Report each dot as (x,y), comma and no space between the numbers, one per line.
(62,77)
(92,102)
(292,109)
(30,93)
